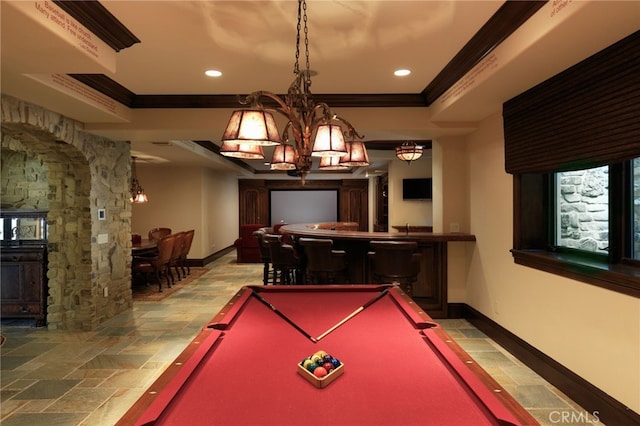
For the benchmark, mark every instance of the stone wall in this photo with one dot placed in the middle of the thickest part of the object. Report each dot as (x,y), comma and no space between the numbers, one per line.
(50,163)
(583,198)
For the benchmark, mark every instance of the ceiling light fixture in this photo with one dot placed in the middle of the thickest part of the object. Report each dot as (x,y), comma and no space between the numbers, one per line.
(316,130)
(408,151)
(137,193)
(402,73)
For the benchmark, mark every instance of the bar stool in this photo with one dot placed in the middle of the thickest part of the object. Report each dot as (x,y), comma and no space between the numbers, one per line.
(395,262)
(323,264)
(285,261)
(268,275)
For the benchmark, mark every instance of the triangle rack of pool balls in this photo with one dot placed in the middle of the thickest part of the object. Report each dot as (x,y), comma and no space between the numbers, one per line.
(320,369)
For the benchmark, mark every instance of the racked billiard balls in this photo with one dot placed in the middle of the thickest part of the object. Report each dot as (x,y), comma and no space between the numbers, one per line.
(320,372)
(321,354)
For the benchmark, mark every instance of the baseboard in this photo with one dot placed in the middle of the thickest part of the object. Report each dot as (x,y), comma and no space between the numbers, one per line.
(592,399)
(211,257)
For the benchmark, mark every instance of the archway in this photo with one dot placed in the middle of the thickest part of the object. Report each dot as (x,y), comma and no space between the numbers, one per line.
(78,182)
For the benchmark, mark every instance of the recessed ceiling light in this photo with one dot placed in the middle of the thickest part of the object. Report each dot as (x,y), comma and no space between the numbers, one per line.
(213,73)
(401,73)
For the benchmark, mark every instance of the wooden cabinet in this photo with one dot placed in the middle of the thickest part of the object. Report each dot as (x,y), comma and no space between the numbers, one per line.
(254,202)
(23,289)
(352,195)
(23,263)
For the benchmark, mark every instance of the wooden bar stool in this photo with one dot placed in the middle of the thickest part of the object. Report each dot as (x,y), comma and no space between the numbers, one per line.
(323,264)
(285,260)
(395,262)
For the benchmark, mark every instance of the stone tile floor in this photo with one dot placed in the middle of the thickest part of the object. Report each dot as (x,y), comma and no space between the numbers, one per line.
(91,378)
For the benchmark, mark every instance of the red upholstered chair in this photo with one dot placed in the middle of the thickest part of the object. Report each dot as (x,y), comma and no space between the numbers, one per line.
(247,248)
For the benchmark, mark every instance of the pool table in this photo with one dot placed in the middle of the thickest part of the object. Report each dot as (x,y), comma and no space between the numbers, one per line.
(399,367)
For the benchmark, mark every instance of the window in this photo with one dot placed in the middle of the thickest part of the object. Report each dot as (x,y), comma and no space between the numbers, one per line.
(582,224)
(582,210)
(582,119)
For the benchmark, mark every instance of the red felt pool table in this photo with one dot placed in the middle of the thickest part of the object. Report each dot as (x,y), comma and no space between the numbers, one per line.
(400,368)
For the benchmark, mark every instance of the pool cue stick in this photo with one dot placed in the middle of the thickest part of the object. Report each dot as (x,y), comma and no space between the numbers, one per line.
(354,313)
(283,316)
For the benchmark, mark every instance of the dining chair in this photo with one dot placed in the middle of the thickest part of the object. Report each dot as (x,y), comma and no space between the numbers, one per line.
(174,261)
(159,264)
(186,248)
(157,233)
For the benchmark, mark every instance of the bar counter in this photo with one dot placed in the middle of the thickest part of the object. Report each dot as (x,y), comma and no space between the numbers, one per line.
(430,291)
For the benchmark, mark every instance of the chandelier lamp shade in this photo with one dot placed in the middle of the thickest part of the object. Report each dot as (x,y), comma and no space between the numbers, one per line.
(356,155)
(284,157)
(313,128)
(329,142)
(409,151)
(247,151)
(252,127)
(331,163)
(137,193)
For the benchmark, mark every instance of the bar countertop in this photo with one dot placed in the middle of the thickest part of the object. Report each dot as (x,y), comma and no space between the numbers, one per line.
(333,230)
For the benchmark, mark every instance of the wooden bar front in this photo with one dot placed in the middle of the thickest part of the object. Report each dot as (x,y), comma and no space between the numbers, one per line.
(430,291)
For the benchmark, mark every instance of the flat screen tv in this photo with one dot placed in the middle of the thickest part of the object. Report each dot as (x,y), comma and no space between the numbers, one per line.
(416,189)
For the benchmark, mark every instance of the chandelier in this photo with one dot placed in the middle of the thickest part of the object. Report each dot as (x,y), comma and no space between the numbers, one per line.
(137,193)
(408,151)
(312,129)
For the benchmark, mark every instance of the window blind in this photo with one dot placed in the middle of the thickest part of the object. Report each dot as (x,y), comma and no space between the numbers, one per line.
(586,116)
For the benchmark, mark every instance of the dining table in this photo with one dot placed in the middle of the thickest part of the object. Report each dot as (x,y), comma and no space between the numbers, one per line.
(144,247)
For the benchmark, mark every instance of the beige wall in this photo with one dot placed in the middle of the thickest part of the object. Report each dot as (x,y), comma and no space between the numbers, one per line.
(183,198)
(592,331)
(413,212)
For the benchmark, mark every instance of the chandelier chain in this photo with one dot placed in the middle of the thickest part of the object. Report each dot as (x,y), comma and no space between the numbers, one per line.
(296,66)
(306,42)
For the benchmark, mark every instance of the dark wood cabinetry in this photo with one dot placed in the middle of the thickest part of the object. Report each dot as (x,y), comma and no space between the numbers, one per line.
(23,263)
(23,286)
(353,195)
